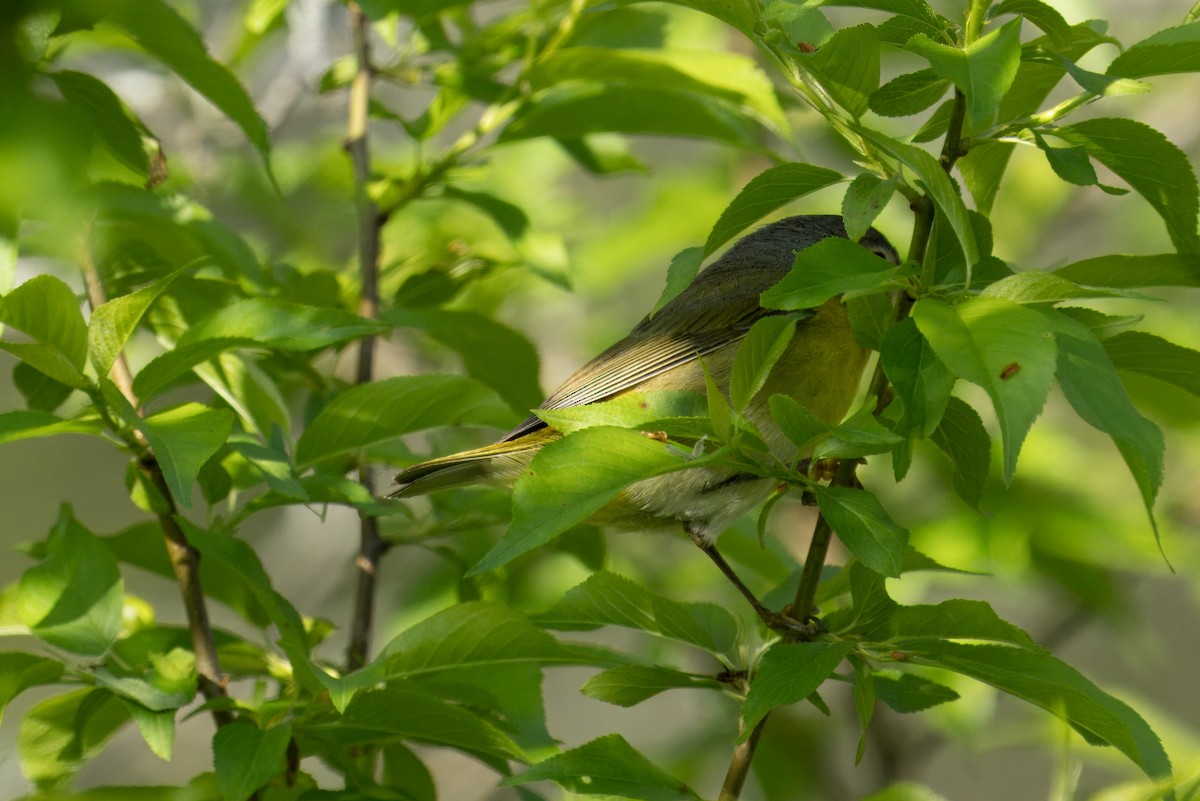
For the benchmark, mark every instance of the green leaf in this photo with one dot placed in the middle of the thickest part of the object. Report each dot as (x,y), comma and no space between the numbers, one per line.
(9,248)
(1168,51)
(861,435)
(1154,167)
(730,77)
(871,317)
(1040,14)
(164,34)
(954,619)
(542,253)
(1147,354)
(766,192)
(1037,286)
(1126,272)
(72,599)
(863,526)
(235,558)
(847,66)
(920,379)
(47,311)
(740,14)
(183,439)
(799,424)
(607,599)
(117,127)
(642,410)
(20,425)
(1094,389)
(246,757)
(982,170)
(962,437)
(905,692)
(1072,164)
(756,356)
(402,712)
(983,71)
(41,392)
(114,322)
(787,673)
(168,684)
(607,766)
(831,267)
(864,200)
(476,637)
(273,323)
(19,672)
(939,186)
(680,273)
(629,685)
(575,111)
(373,413)
(910,93)
(156,728)
(1003,347)
(1047,682)
(60,735)
(916,11)
(570,479)
(193,232)
(492,353)
(864,702)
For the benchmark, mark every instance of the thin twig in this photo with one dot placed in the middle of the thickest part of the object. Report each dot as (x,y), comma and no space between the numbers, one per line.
(739,764)
(370,221)
(185,560)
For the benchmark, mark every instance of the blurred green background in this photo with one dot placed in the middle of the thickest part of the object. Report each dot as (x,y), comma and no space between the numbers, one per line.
(1068,551)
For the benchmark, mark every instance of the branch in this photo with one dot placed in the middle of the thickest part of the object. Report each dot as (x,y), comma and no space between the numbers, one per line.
(739,764)
(370,222)
(185,560)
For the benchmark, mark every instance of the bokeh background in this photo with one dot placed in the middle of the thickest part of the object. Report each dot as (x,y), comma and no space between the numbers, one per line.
(1101,596)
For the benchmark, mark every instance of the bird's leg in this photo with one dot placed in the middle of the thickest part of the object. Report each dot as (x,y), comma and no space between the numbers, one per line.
(774,620)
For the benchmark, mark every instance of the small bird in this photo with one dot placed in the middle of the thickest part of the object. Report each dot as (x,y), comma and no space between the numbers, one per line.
(699,329)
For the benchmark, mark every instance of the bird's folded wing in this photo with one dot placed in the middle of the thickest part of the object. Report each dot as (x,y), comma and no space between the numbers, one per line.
(645,353)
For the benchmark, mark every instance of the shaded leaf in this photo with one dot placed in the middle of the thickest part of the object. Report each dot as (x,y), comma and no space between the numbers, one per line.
(766,192)
(607,766)
(60,734)
(183,439)
(1155,168)
(246,757)
(1003,347)
(962,437)
(571,478)
(372,413)
(787,673)
(863,526)
(831,267)
(629,685)
(492,353)
(1047,682)
(607,599)
(1147,354)
(72,599)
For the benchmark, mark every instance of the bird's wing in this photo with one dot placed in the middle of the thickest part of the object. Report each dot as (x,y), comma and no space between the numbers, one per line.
(648,352)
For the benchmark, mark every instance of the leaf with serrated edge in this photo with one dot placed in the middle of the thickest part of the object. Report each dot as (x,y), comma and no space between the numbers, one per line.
(1003,347)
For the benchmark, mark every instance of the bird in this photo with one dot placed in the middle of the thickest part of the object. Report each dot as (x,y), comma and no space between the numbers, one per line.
(699,329)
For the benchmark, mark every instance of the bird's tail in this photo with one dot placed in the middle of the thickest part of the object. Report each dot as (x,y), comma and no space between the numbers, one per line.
(500,463)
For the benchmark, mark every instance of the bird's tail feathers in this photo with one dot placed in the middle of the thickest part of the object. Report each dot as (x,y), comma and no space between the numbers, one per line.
(501,463)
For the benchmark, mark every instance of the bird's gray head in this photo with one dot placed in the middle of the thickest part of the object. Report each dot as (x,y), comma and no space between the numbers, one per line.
(777,243)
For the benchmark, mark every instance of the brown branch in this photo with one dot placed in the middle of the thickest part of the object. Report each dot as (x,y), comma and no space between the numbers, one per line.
(370,222)
(185,560)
